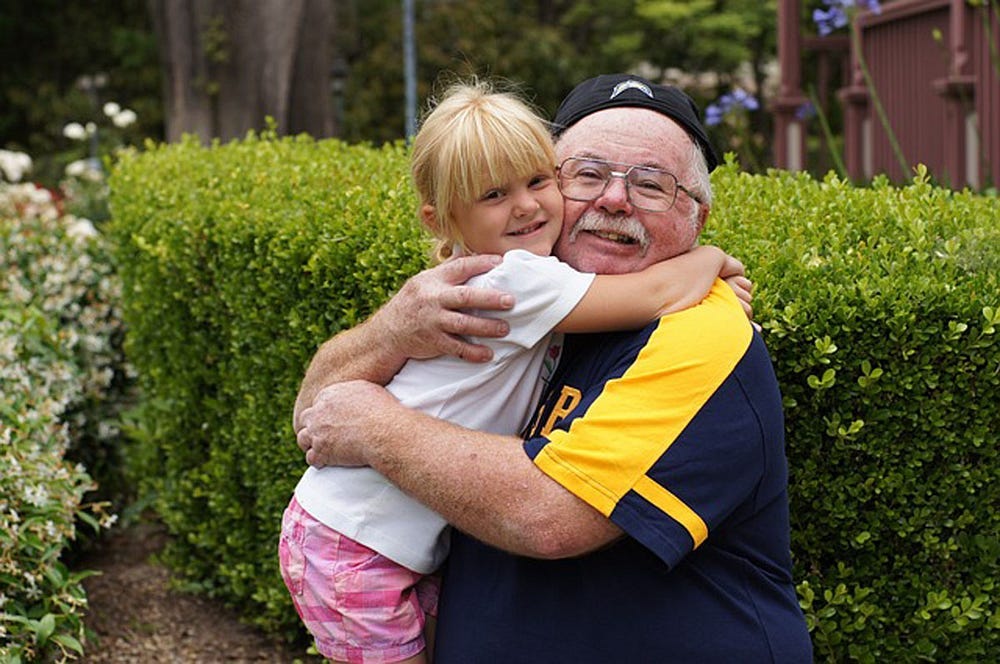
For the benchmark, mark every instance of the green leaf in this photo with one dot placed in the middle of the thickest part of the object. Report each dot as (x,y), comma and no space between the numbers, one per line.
(44,628)
(68,641)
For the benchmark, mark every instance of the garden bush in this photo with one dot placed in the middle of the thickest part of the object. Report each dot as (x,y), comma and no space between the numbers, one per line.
(60,372)
(237,260)
(879,305)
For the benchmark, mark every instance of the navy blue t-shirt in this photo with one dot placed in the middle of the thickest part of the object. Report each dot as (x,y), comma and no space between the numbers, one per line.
(675,433)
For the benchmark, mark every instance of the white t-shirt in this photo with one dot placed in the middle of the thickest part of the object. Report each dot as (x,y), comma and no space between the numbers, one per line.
(496,397)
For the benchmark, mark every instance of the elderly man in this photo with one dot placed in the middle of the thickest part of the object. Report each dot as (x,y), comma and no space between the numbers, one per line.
(644,517)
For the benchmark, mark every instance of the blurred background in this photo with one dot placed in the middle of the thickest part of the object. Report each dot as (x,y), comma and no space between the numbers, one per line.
(341,68)
(779,80)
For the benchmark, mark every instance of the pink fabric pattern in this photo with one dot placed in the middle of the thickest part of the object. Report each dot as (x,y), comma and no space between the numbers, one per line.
(359,606)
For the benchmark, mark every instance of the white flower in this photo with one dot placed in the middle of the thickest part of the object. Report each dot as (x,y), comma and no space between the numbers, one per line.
(125,118)
(8,348)
(85,169)
(81,229)
(111,109)
(76,169)
(14,165)
(75,131)
(91,128)
(39,196)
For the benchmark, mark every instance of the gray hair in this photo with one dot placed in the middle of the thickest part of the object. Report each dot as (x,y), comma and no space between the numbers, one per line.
(700,183)
(697,169)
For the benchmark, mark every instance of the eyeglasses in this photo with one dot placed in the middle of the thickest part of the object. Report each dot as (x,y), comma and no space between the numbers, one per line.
(647,188)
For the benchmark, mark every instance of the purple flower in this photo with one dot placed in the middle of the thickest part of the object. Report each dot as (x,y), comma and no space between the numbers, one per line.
(836,16)
(738,98)
(713,115)
(805,111)
(827,22)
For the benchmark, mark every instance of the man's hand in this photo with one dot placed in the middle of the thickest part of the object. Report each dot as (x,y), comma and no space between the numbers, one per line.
(334,429)
(426,318)
(453,471)
(423,320)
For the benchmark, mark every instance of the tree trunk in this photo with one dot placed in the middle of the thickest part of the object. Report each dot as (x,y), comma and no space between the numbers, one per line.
(230,64)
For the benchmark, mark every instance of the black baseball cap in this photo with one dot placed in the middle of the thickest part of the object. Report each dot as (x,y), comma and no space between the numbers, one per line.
(617,90)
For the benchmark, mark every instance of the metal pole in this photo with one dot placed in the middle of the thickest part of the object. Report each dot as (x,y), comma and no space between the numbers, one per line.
(409,69)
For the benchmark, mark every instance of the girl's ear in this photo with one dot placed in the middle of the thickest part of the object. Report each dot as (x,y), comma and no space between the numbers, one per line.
(428,215)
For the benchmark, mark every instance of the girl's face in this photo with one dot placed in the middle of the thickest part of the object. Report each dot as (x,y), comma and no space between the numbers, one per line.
(525,213)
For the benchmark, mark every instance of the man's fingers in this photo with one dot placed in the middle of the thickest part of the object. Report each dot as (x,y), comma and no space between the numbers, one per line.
(459,270)
(304,440)
(471,352)
(312,458)
(744,283)
(467,297)
(467,325)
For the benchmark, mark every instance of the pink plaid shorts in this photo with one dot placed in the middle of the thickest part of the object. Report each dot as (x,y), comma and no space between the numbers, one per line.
(360,606)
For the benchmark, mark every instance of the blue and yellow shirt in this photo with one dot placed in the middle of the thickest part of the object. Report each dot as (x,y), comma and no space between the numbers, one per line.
(676,434)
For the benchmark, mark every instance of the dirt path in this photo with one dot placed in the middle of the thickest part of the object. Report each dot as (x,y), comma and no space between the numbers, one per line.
(138,618)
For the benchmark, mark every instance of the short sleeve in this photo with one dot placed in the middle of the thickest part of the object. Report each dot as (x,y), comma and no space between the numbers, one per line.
(545,291)
(667,445)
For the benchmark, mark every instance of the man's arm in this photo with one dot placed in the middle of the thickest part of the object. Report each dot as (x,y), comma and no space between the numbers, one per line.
(424,319)
(481,483)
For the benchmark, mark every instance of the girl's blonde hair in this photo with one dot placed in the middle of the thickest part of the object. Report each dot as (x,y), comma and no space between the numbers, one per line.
(474,139)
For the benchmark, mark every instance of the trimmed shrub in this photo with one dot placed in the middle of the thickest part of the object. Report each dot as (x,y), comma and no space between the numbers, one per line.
(238,260)
(879,306)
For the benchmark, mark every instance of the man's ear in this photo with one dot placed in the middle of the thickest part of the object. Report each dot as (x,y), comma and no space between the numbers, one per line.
(703,211)
(428,215)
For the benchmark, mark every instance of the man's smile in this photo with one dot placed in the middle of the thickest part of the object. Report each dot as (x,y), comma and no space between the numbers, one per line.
(621,231)
(614,237)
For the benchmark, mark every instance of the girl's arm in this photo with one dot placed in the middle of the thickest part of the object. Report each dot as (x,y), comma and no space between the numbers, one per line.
(629,301)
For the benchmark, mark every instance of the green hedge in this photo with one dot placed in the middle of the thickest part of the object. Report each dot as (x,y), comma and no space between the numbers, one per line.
(237,260)
(879,306)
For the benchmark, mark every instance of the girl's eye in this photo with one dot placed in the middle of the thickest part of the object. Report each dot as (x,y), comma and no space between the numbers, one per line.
(491,195)
(539,180)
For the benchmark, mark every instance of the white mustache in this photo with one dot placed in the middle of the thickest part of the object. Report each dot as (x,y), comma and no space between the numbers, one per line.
(593,220)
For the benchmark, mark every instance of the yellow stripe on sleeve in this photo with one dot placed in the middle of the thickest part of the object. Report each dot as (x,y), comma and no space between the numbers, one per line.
(637,417)
(673,506)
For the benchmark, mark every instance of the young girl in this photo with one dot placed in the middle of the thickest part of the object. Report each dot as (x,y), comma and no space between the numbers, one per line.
(355,551)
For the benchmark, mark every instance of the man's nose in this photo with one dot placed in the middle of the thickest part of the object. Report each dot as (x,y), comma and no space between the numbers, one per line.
(614,198)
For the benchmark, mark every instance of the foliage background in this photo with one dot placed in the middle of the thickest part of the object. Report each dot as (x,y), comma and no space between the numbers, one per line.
(879,306)
(63,378)
(545,45)
(53,43)
(235,261)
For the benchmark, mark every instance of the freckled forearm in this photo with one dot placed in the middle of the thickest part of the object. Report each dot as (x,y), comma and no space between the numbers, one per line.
(354,354)
(486,486)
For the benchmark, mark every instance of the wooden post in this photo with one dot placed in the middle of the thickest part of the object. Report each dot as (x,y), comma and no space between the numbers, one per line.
(958,89)
(789,129)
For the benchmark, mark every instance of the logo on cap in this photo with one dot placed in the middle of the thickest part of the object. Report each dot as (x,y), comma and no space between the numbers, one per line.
(631,84)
